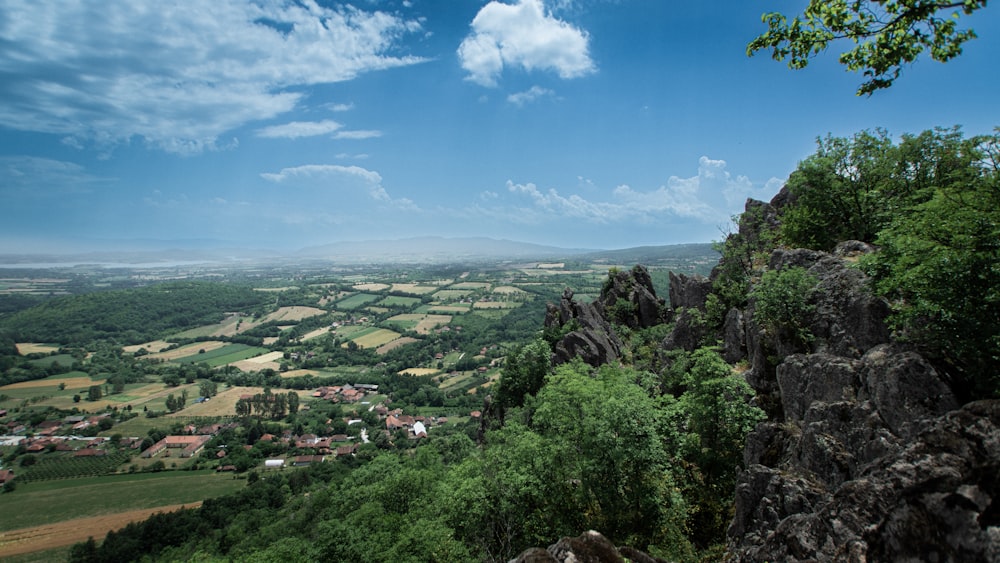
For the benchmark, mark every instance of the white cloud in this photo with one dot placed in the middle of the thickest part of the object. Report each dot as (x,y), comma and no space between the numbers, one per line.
(179,75)
(709,198)
(523,35)
(329,174)
(359,134)
(529,95)
(297,129)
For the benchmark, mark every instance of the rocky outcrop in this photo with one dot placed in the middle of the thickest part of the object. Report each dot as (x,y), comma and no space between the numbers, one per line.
(589,547)
(628,298)
(864,457)
(588,335)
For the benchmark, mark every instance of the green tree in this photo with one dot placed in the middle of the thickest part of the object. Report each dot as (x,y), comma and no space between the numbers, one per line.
(783,302)
(939,265)
(887,34)
(94,393)
(524,373)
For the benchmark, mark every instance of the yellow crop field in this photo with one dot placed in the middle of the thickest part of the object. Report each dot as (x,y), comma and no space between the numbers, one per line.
(419,371)
(71,383)
(430,322)
(508,290)
(295,313)
(402,341)
(463,308)
(371,286)
(376,338)
(25,348)
(187,350)
(298,373)
(154,346)
(316,333)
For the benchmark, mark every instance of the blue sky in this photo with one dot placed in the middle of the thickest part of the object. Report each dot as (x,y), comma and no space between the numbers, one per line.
(281,125)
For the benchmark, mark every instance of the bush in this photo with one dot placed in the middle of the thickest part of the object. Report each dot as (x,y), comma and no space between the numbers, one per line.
(783,302)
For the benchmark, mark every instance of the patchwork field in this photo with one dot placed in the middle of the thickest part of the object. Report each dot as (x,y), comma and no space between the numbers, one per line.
(73,382)
(299,373)
(397,343)
(371,286)
(316,333)
(152,347)
(356,301)
(451,294)
(373,337)
(187,350)
(419,371)
(25,348)
(415,289)
(470,285)
(399,301)
(508,290)
(290,314)
(460,308)
(47,502)
(495,305)
(228,354)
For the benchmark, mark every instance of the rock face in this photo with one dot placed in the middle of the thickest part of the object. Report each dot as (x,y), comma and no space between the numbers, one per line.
(867,455)
(628,299)
(589,547)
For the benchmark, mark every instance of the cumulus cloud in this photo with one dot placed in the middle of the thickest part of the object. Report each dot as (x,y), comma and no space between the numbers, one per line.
(179,76)
(323,173)
(522,35)
(529,95)
(358,134)
(708,197)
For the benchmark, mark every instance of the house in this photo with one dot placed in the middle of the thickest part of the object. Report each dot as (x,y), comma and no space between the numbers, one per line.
(303,460)
(189,445)
(349,449)
(274,463)
(6,475)
(393,423)
(418,430)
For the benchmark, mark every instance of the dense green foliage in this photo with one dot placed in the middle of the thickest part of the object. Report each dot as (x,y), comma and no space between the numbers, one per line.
(782,302)
(931,204)
(130,316)
(887,35)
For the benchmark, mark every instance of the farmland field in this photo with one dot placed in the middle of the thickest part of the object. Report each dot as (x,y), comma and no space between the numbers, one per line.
(46,502)
(470,285)
(357,300)
(402,341)
(293,314)
(25,348)
(154,346)
(419,371)
(225,355)
(371,286)
(316,333)
(415,289)
(398,301)
(508,290)
(374,338)
(495,305)
(449,294)
(187,350)
(463,308)
(78,381)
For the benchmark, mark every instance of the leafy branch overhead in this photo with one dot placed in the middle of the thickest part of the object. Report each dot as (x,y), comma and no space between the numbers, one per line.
(887,34)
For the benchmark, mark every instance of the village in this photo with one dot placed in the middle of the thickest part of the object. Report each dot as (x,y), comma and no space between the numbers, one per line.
(230,444)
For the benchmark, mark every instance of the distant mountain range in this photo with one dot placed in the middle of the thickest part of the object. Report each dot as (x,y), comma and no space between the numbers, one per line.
(427,250)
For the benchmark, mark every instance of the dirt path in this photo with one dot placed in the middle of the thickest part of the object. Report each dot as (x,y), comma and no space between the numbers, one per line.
(61,534)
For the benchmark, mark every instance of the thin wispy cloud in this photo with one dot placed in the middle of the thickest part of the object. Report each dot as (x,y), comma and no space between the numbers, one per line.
(525,36)
(178,79)
(530,95)
(297,129)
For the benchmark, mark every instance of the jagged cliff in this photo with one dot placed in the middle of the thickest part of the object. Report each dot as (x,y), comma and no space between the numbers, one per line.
(867,453)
